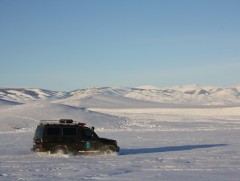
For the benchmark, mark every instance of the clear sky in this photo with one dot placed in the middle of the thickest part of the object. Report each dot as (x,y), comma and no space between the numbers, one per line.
(72,44)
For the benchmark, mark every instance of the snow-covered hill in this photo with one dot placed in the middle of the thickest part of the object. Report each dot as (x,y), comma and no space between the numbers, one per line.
(186,95)
(190,95)
(23,95)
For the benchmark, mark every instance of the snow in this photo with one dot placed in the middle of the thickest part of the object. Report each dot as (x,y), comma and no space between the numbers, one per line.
(158,140)
(189,94)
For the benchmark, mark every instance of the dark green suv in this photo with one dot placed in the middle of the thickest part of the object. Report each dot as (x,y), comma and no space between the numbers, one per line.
(65,136)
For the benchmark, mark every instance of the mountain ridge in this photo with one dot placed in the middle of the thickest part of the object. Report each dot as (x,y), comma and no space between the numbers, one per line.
(188,94)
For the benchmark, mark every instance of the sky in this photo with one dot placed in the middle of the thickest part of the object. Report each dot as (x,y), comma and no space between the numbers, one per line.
(72,44)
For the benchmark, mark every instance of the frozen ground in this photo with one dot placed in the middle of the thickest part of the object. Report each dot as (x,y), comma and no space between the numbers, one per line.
(158,141)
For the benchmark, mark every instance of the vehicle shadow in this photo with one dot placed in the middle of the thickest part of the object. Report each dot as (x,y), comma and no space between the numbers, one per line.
(166,149)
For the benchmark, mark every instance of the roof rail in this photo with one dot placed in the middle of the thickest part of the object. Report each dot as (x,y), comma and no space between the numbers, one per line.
(48,121)
(66,121)
(61,121)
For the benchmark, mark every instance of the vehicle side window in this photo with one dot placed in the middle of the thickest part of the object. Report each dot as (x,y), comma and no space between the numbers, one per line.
(39,132)
(53,131)
(69,131)
(86,134)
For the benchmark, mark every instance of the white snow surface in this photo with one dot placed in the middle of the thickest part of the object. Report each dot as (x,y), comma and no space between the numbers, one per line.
(180,133)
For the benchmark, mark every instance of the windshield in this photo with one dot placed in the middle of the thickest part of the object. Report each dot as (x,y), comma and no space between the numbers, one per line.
(38,132)
(95,134)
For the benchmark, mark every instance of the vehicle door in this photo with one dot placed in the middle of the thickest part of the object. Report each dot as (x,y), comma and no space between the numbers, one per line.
(88,141)
(69,137)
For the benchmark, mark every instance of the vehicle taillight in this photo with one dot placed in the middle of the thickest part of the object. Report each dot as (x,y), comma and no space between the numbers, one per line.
(38,141)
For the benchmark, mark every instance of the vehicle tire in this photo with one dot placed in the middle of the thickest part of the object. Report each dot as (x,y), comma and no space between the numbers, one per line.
(60,150)
(108,149)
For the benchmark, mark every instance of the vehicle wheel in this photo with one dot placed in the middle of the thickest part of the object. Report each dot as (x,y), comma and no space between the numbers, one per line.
(60,150)
(108,150)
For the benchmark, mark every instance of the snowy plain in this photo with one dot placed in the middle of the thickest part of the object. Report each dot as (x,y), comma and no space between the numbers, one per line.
(180,133)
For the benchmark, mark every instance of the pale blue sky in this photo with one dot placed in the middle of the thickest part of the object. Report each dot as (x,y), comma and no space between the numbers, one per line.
(72,44)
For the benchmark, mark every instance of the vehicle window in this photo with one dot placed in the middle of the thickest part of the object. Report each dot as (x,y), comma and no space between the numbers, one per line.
(69,131)
(39,132)
(86,134)
(53,131)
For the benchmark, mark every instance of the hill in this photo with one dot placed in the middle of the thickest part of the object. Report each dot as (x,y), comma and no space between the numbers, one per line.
(178,95)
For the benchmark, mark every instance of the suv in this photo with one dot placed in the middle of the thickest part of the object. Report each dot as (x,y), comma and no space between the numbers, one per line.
(65,136)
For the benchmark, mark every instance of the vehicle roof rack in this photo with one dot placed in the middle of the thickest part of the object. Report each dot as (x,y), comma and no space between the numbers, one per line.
(66,121)
(61,121)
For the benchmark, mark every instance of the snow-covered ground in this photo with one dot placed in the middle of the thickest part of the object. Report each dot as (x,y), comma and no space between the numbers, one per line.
(159,140)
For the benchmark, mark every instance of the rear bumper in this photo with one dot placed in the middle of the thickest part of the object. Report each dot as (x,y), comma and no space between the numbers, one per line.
(35,149)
